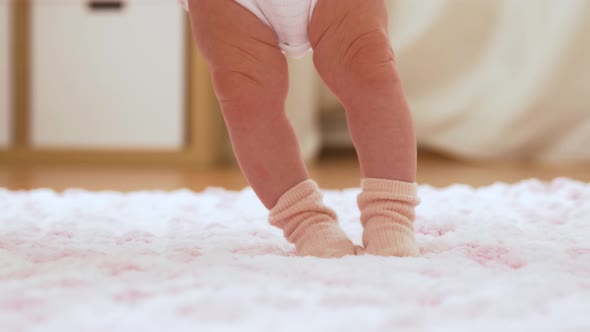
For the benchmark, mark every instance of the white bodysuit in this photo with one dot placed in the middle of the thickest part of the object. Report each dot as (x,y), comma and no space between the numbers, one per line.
(289,19)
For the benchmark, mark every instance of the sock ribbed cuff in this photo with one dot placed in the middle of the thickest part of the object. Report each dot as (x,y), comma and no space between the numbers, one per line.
(389,186)
(297,193)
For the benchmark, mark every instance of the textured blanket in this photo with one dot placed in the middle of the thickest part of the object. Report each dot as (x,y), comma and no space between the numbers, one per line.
(498,258)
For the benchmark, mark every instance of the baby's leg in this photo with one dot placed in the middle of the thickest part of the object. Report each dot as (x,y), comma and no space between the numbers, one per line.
(353,56)
(250,78)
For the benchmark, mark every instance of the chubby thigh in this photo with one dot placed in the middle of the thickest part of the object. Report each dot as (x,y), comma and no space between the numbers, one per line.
(241,51)
(354,57)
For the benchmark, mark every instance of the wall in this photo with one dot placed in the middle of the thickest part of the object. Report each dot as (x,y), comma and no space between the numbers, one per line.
(5,91)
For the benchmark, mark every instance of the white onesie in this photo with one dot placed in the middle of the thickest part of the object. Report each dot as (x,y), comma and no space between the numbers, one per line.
(289,19)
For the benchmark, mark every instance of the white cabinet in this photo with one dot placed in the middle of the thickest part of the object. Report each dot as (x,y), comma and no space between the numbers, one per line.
(107,74)
(5,93)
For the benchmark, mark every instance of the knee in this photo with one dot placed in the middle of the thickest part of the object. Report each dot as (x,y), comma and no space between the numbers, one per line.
(365,62)
(250,91)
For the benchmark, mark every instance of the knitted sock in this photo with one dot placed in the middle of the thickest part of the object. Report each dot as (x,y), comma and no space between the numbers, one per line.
(387,216)
(309,224)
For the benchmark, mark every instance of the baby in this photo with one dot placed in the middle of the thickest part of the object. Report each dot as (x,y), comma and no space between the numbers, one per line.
(244,43)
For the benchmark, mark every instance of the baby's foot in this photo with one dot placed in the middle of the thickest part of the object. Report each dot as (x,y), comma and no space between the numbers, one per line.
(325,240)
(389,239)
(387,215)
(309,224)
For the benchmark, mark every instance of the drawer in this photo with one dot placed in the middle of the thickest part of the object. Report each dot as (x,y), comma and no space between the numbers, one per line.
(108,74)
(5,72)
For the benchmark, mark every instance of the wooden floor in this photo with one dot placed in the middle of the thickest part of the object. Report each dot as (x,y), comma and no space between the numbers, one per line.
(331,172)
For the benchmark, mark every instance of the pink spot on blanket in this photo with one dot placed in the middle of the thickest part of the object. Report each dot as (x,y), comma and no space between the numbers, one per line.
(61,234)
(20,274)
(136,236)
(48,256)
(20,304)
(435,230)
(431,300)
(584,285)
(131,296)
(431,273)
(405,323)
(575,195)
(71,283)
(185,255)
(258,249)
(9,243)
(185,310)
(578,252)
(485,254)
(118,269)
(262,235)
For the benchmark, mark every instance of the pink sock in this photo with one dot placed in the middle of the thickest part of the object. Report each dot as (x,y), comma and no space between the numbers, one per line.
(309,224)
(387,215)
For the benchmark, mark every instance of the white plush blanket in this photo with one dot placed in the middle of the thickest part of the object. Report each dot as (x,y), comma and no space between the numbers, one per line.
(499,258)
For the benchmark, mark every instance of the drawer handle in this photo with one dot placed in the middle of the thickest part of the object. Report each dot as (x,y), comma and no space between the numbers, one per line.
(102,5)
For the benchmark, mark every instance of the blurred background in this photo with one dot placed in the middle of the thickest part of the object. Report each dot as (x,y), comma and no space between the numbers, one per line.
(111,94)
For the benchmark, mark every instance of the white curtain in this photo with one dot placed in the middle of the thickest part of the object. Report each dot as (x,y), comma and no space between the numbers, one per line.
(495,78)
